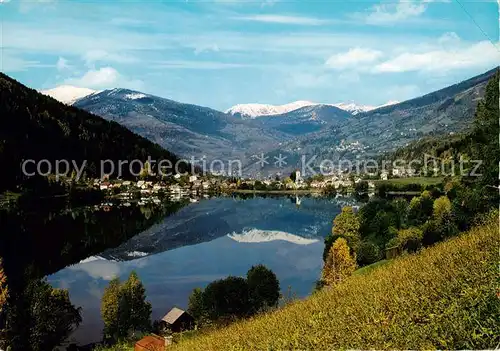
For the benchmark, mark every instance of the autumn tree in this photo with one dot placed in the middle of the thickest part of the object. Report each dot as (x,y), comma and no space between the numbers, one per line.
(146,171)
(339,263)
(3,300)
(345,225)
(441,207)
(3,287)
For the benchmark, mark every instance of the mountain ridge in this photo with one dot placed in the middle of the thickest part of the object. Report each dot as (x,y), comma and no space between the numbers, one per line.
(319,129)
(257,110)
(37,127)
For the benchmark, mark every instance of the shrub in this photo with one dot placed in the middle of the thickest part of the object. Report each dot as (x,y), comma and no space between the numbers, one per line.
(441,207)
(226,298)
(420,208)
(367,253)
(410,239)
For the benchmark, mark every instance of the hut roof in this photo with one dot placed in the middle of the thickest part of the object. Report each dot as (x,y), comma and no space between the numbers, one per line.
(173,315)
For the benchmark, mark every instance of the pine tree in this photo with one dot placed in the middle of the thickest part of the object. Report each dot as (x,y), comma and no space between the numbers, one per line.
(339,263)
(486,132)
(196,307)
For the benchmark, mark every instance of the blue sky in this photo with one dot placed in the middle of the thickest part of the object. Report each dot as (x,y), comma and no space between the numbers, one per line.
(220,53)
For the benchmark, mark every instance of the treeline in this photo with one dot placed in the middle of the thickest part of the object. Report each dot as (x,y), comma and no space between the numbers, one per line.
(37,127)
(385,188)
(228,299)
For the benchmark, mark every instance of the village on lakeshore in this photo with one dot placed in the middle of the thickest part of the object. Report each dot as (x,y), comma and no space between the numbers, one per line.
(177,187)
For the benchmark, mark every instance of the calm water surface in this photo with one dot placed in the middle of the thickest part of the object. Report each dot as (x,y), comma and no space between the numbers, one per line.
(204,241)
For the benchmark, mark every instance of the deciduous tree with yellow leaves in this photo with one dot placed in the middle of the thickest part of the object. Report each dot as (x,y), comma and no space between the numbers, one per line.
(339,263)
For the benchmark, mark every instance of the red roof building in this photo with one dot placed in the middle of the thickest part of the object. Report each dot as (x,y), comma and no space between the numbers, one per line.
(150,343)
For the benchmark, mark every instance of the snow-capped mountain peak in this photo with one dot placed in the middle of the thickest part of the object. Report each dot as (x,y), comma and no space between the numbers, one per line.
(68,94)
(354,108)
(256,110)
(261,236)
(251,111)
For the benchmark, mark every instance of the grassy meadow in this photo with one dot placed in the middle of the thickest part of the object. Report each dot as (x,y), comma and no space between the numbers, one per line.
(443,297)
(411,180)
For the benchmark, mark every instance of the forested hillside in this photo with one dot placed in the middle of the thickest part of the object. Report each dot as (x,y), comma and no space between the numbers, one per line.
(386,129)
(34,126)
(479,142)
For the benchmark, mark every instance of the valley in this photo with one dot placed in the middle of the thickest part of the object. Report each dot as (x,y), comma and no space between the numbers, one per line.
(294,130)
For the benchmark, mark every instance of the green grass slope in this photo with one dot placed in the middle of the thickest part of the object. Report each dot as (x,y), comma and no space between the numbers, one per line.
(444,297)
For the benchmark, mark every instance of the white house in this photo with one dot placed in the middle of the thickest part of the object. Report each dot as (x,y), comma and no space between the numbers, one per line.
(193,178)
(384,175)
(298,178)
(175,188)
(104,186)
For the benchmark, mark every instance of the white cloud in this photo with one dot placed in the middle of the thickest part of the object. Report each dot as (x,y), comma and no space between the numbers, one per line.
(482,55)
(93,56)
(187,64)
(394,12)
(270,3)
(14,63)
(309,80)
(353,58)
(100,78)
(99,269)
(62,64)
(449,37)
(206,48)
(104,78)
(298,20)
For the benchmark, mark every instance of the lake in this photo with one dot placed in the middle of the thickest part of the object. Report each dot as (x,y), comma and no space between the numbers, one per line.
(205,241)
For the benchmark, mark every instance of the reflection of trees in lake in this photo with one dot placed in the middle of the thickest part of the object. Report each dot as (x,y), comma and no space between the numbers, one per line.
(36,243)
